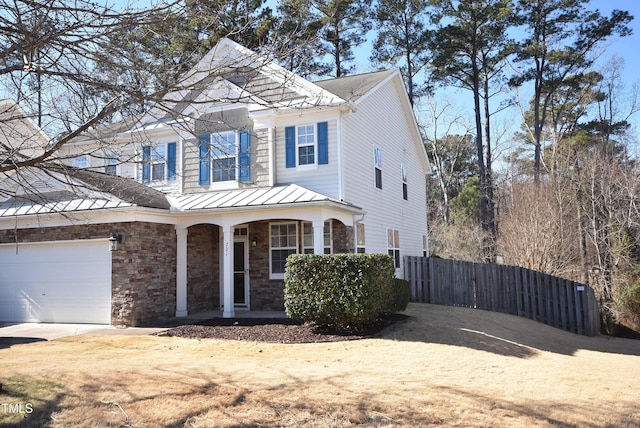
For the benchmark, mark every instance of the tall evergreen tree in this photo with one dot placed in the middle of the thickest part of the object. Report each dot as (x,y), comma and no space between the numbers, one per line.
(469,51)
(345,25)
(402,39)
(297,38)
(562,37)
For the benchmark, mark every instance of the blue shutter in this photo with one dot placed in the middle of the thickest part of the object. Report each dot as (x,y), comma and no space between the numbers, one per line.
(146,163)
(290,145)
(323,143)
(171,161)
(244,158)
(205,160)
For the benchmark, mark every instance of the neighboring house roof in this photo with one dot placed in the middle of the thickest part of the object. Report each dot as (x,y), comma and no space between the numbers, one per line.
(126,189)
(78,190)
(20,137)
(254,197)
(351,88)
(20,206)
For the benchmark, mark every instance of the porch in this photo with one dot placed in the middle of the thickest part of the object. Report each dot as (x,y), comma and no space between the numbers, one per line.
(232,261)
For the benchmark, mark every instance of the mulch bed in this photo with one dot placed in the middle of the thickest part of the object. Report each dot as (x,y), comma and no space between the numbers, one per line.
(276,330)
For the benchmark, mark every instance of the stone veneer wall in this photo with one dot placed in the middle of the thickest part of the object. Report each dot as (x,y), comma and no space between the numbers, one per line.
(143,279)
(265,294)
(203,268)
(342,237)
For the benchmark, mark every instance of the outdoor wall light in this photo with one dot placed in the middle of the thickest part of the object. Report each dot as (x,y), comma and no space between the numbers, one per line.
(114,240)
(254,242)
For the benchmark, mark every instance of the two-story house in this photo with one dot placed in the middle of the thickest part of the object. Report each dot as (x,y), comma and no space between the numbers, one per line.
(196,204)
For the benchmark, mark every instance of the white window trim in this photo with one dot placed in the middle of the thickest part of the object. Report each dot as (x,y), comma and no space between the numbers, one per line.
(404,173)
(278,275)
(377,166)
(111,160)
(153,147)
(394,246)
(308,166)
(82,161)
(212,138)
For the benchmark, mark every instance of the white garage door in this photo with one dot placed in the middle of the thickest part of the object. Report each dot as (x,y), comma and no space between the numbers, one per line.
(65,282)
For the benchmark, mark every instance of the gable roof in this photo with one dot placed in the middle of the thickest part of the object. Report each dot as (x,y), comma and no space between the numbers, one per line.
(351,88)
(20,136)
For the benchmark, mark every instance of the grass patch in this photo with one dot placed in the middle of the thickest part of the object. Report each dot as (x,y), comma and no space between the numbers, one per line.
(28,401)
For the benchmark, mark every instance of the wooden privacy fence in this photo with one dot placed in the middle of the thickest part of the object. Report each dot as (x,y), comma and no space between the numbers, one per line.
(512,290)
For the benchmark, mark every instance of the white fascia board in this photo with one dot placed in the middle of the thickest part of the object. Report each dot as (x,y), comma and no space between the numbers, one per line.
(306,211)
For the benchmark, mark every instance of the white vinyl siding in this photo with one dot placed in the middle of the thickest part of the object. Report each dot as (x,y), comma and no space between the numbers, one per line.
(319,178)
(381,120)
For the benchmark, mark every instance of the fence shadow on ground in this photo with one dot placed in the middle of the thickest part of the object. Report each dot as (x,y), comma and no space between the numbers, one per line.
(499,333)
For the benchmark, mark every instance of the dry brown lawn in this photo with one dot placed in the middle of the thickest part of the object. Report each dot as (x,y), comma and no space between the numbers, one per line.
(442,367)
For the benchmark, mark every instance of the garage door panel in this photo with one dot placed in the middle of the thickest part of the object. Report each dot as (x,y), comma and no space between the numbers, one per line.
(56,282)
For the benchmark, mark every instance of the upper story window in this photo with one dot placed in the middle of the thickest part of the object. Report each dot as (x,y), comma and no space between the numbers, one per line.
(224,152)
(159,162)
(306,140)
(81,162)
(224,156)
(405,190)
(307,145)
(377,165)
(111,164)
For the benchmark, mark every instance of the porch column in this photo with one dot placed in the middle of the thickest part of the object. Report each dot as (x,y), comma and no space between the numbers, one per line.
(318,237)
(227,272)
(181,272)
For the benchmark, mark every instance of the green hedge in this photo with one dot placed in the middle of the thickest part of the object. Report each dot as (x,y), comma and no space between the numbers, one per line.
(342,290)
(399,297)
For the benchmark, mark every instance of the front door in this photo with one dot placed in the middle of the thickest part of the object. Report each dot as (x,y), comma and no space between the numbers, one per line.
(240,272)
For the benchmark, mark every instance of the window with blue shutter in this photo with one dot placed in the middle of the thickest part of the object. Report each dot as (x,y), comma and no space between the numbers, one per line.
(146,163)
(290,145)
(307,145)
(171,161)
(205,160)
(323,143)
(244,158)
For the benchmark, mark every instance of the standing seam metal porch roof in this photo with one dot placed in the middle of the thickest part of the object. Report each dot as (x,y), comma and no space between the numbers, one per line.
(253,197)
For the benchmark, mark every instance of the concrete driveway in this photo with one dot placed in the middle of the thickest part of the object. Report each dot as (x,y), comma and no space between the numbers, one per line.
(12,334)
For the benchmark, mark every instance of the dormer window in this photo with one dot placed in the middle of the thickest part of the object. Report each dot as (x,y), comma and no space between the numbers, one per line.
(224,153)
(224,156)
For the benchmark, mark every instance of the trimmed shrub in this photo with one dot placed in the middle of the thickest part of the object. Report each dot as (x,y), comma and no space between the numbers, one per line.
(399,296)
(338,290)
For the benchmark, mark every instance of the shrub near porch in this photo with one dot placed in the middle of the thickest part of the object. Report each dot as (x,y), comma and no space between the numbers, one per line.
(341,290)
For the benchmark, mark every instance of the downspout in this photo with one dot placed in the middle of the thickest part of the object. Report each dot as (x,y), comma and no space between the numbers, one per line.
(340,163)
(340,150)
